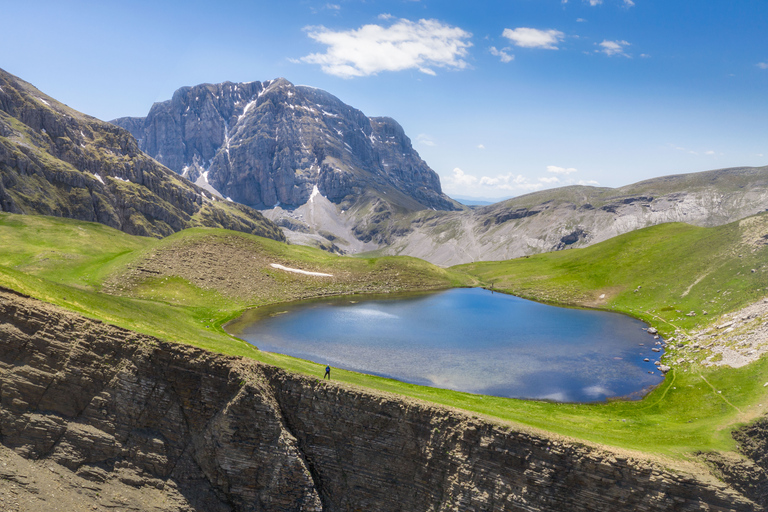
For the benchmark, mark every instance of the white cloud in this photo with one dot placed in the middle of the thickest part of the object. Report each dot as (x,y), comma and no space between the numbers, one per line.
(560,170)
(760,155)
(459,178)
(594,2)
(611,48)
(425,140)
(403,45)
(588,183)
(762,65)
(501,54)
(629,3)
(385,16)
(645,56)
(534,38)
(509,182)
(480,146)
(580,20)
(710,152)
(333,7)
(550,180)
(460,182)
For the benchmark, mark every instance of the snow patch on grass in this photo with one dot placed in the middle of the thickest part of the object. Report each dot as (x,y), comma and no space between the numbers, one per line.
(297,271)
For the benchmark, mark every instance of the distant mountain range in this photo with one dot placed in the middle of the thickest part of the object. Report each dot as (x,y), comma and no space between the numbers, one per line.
(322,171)
(57,161)
(477,201)
(332,177)
(578,216)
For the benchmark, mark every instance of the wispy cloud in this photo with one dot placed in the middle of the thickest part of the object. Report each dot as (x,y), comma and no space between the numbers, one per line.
(425,140)
(403,45)
(534,38)
(593,3)
(480,146)
(501,54)
(510,182)
(612,48)
(461,182)
(762,65)
(709,152)
(560,170)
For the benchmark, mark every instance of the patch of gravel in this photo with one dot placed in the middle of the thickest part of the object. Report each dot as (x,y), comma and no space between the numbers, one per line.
(735,339)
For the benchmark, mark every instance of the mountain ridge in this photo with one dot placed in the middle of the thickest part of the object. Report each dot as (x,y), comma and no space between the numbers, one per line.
(269,144)
(334,178)
(57,161)
(578,216)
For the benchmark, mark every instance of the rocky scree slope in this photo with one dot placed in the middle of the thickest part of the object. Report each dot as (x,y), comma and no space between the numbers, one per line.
(57,161)
(114,409)
(578,216)
(272,144)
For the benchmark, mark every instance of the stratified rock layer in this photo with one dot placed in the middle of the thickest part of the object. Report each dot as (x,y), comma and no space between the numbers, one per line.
(224,433)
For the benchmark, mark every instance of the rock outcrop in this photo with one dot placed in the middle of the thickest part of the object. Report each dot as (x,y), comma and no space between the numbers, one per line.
(57,161)
(219,433)
(270,143)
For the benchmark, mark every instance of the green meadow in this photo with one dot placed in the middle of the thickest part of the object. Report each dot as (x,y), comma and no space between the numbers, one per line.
(185,287)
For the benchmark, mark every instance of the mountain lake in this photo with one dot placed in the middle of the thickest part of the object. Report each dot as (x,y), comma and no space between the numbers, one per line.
(469,340)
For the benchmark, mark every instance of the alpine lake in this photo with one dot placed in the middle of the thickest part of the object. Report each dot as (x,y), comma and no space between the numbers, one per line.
(467,339)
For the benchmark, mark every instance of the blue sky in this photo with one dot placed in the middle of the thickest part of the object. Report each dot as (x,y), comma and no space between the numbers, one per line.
(499,97)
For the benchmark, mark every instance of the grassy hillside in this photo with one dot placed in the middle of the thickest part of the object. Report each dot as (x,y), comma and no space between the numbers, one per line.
(659,274)
(184,287)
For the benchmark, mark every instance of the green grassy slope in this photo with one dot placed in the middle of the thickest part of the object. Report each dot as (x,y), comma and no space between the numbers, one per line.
(184,287)
(658,274)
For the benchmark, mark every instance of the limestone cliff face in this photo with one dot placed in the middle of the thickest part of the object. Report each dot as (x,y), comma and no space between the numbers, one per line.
(218,433)
(57,161)
(270,143)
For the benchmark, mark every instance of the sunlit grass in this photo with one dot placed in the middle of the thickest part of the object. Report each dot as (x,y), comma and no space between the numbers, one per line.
(650,274)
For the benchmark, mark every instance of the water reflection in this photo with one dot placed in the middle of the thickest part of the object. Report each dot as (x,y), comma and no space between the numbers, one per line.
(467,340)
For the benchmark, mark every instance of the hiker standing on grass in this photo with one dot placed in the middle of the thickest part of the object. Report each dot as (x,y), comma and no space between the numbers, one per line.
(327,372)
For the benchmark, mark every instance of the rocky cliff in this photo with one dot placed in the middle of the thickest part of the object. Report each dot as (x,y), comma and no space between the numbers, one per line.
(272,143)
(113,414)
(57,161)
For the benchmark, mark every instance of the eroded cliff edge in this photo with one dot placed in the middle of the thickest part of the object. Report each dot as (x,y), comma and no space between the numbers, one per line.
(184,429)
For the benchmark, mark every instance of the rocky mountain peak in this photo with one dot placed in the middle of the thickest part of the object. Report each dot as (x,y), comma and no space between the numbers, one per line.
(270,143)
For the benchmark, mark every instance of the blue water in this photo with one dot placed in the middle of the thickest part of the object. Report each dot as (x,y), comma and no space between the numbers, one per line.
(467,340)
